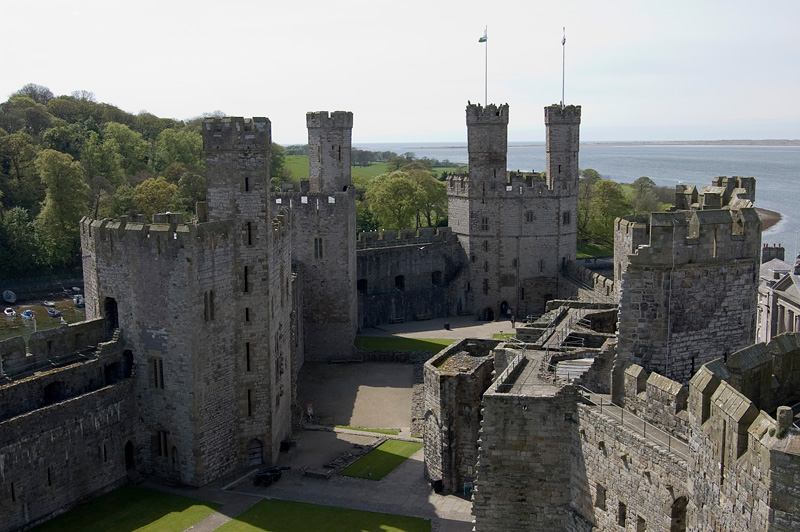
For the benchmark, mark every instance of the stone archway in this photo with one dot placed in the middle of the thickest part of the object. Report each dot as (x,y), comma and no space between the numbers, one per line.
(255,452)
(678,515)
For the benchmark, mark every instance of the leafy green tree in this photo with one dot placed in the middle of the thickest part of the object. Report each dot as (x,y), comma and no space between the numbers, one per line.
(129,144)
(21,113)
(392,200)
(608,202)
(154,196)
(64,204)
(102,165)
(18,152)
(191,189)
(121,202)
(643,183)
(66,138)
(22,250)
(430,199)
(589,177)
(365,220)
(178,146)
(37,93)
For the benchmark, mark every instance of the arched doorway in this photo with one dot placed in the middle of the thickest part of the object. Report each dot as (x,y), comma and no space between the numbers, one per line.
(487,314)
(254,453)
(130,463)
(678,515)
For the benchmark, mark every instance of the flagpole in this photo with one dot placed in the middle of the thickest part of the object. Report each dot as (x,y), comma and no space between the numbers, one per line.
(563,62)
(486,69)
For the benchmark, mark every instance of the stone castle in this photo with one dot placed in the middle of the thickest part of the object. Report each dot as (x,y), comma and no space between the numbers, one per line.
(186,366)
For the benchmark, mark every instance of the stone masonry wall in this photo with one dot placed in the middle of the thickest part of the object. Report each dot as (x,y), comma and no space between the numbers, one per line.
(55,457)
(524,476)
(454,381)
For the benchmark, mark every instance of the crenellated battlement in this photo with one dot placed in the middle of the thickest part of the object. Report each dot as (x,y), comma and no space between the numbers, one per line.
(166,232)
(491,114)
(405,237)
(236,134)
(330,120)
(557,115)
(691,236)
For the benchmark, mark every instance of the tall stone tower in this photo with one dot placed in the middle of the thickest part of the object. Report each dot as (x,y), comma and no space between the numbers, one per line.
(517,229)
(325,239)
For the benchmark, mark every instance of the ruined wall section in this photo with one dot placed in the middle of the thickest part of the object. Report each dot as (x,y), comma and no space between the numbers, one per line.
(61,454)
(410,275)
(690,295)
(454,381)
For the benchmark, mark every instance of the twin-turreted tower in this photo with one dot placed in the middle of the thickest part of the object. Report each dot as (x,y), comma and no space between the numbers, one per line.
(517,229)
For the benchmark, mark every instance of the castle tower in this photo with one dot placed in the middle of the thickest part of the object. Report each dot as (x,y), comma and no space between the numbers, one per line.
(518,230)
(325,239)
(329,147)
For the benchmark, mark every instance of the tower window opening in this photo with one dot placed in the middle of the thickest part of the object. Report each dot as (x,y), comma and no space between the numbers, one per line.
(249,402)
(400,282)
(559,168)
(246,279)
(249,234)
(318,248)
(485,223)
(247,355)
(247,184)
(486,286)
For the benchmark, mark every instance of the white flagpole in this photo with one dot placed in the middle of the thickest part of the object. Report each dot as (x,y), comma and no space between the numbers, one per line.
(563,62)
(486,69)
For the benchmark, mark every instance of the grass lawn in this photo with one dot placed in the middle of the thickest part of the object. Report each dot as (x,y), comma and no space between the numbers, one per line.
(503,336)
(130,509)
(391,432)
(298,165)
(595,250)
(286,516)
(397,343)
(381,461)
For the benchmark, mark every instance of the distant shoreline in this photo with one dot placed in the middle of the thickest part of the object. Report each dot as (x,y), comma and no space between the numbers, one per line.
(768,218)
(526,144)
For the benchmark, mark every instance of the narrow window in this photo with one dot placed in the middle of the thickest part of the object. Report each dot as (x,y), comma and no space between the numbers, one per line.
(522,293)
(485,223)
(246,283)
(161,443)
(541,265)
(400,283)
(247,355)
(318,249)
(486,286)
(486,265)
(249,402)
(641,524)
(249,234)
(13,493)
(600,497)
(622,514)
(247,184)
(469,287)
(49,478)
(529,216)
(105,453)
(247,314)
(158,373)
(211,304)
(486,245)
(565,218)
(559,168)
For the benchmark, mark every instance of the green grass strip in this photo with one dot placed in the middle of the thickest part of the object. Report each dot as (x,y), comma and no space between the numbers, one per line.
(381,461)
(131,508)
(392,432)
(504,336)
(287,516)
(595,250)
(398,343)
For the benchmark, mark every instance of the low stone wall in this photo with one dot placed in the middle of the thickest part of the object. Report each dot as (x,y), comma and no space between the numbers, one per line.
(600,285)
(57,456)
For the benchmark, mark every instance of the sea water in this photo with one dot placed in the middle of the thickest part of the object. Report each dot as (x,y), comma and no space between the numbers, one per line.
(776,169)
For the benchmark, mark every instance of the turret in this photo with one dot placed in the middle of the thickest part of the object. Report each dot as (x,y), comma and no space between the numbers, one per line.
(487,137)
(329,144)
(562,143)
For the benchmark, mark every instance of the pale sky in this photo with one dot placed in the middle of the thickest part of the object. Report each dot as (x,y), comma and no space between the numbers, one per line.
(641,70)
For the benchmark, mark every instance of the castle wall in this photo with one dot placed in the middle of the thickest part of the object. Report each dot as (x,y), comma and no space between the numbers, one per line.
(454,381)
(526,448)
(56,456)
(690,295)
(409,276)
(744,465)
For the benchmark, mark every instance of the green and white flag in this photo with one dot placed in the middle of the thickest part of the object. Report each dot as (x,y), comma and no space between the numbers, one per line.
(483,39)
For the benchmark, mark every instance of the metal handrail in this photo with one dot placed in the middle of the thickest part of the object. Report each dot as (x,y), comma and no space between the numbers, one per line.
(609,413)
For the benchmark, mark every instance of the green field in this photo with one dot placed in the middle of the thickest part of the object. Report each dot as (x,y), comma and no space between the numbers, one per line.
(397,343)
(130,509)
(286,516)
(382,461)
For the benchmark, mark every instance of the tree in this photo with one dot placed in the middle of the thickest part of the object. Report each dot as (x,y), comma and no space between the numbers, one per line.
(121,202)
(589,177)
(102,165)
(392,200)
(178,146)
(608,202)
(66,138)
(191,189)
(37,93)
(64,203)
(130,145)
(430,198)
(154,196)
(22,251)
